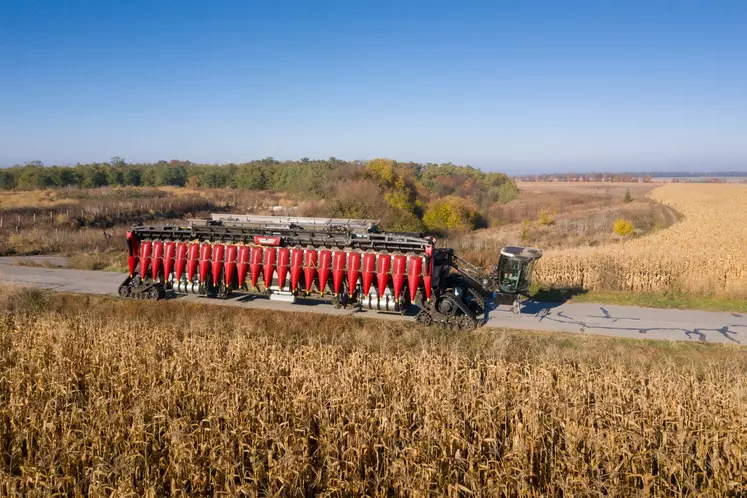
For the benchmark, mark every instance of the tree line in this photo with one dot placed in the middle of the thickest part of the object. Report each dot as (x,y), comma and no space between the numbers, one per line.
(453,196)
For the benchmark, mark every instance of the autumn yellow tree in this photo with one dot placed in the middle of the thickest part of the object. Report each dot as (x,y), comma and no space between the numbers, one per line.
(451,214)
(382,170)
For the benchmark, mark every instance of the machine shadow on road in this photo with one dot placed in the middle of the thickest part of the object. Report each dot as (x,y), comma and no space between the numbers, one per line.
(540,304)
(557,295)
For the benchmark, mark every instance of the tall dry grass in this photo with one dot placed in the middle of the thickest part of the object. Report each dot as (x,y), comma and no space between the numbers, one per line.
(89,225)
(100,397)
(704,254)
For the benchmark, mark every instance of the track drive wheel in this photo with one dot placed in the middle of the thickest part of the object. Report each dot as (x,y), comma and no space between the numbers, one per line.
(466,323)
(424,318)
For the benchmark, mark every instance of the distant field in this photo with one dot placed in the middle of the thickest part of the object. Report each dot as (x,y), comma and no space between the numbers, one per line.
(613,186)
(702,179)
(704,254)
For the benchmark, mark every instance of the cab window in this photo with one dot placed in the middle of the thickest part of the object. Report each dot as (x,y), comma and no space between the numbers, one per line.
(508,275)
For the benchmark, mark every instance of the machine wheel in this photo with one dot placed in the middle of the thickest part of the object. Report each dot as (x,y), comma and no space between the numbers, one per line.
(447,305)
(477,303)
(424,318)
(153,293)
(336,302)
(124,290)
(467,323)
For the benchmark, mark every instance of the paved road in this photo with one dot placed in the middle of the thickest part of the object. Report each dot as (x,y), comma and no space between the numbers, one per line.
(585,318)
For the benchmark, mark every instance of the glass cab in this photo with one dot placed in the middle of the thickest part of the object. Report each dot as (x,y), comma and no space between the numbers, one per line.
(515,267)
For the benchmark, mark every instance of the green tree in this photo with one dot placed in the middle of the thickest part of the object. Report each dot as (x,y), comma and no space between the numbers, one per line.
(115,175)
(628,197)
(175,176)
(507,192)
(34,176)
(94,176)
(131,175)
(148,176)
(251,176)
(7,180)
(212,178)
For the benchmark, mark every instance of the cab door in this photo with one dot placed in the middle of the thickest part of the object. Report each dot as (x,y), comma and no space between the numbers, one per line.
(509,274)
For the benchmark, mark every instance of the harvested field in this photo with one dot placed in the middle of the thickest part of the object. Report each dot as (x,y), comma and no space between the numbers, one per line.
(100,396)
(704,254)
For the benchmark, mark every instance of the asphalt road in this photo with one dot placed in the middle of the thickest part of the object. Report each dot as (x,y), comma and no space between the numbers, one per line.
(584,318)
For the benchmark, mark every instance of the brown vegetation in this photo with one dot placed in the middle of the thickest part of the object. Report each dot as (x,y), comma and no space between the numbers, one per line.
(558,216)
(101,396)
(701,255)
(89,225)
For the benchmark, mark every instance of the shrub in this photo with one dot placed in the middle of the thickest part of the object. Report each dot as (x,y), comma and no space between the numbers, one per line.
(545,217)
(623,227)
(401,220)
(356,199)
(628,197)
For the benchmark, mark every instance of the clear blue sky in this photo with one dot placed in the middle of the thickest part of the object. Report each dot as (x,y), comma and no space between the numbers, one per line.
(503,85)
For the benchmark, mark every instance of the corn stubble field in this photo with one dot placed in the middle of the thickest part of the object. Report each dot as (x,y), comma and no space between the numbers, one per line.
(703,254)
(100,396)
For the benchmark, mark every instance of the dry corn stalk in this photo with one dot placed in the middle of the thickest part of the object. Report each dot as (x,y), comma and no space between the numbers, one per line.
(705,253)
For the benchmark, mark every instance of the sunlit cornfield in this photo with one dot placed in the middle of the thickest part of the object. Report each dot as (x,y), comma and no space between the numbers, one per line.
(705,253)
(100,397)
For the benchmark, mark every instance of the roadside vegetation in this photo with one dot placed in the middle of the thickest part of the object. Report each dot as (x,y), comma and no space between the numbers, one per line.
(102,396)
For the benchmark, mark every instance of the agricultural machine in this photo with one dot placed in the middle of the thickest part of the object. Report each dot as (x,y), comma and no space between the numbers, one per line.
(349,262)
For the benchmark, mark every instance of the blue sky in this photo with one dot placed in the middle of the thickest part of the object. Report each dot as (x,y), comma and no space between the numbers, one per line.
(503,85)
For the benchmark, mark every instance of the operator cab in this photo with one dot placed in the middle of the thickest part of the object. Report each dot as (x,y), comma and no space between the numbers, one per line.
(514,271)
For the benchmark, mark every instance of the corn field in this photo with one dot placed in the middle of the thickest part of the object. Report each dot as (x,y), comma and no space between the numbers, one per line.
(704,254)
(101,397)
